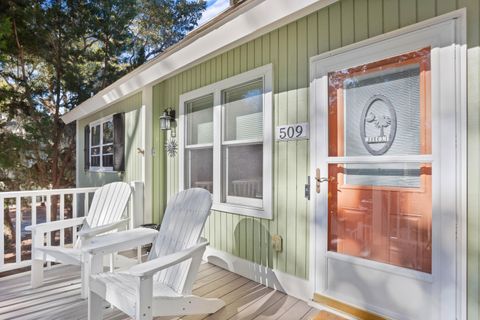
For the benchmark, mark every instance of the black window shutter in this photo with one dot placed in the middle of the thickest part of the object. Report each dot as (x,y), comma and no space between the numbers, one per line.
(86,148)
(119,142)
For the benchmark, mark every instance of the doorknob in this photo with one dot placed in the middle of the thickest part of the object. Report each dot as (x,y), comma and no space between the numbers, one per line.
(319,179)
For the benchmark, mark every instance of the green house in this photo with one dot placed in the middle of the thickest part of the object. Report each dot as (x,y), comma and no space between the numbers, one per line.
(340,140)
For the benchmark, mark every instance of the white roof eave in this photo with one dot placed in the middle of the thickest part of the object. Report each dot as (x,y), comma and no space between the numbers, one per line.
(257,17)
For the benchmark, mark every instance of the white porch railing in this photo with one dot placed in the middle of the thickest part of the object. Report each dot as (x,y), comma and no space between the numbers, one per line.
(31,207)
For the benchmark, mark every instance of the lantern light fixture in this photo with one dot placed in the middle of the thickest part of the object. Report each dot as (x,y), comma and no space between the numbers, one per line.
(167,120)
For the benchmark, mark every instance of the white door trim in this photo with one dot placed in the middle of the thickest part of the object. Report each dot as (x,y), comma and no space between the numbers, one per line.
(397,42)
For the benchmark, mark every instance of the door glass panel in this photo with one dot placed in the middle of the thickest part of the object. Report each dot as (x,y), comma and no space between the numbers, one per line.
(381,211)
(380,222)
(382,108)
(403,175)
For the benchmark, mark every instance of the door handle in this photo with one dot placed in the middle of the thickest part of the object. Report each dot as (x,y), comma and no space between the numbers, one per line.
(319,179)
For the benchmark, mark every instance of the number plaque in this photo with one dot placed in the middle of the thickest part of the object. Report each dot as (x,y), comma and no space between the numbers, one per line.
(288,132)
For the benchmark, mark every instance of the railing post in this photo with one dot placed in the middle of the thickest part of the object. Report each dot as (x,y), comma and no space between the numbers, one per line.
(136,204)
(36,276)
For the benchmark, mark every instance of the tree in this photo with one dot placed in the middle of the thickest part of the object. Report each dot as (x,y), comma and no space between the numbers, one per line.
(54,54)
(160,24)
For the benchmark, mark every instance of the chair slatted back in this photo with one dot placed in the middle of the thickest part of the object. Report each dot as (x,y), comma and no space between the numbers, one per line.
(181,229)
(108,204)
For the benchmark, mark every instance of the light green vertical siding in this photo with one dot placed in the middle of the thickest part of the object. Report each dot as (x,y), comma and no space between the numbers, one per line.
(133,140)
(361,19)
(289,49)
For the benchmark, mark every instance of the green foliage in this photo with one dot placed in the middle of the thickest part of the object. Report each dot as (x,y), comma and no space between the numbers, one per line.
(160,24)
(4,32)
(54,54)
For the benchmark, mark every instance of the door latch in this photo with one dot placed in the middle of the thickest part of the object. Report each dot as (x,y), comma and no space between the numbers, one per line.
(307,189)
(318,180)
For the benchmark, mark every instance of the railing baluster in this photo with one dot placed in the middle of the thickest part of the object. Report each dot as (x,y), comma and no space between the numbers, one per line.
(85,209)
(62,216)
(2,231)
(48,213)
(34,210)
(33,218)
(74,215)
(18,229)
(47,219)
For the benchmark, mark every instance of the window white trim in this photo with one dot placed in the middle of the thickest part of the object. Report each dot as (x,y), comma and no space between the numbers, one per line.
(250,207)
(92,124)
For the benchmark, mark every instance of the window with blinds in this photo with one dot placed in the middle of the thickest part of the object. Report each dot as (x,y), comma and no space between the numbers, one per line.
(226,142)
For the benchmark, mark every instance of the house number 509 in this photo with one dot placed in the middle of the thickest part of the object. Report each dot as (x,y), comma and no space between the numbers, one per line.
(292,132)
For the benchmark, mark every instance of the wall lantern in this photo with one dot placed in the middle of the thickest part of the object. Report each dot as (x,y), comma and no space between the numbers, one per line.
(167,121)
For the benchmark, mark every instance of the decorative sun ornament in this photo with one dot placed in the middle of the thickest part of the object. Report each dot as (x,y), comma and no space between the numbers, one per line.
(171,147)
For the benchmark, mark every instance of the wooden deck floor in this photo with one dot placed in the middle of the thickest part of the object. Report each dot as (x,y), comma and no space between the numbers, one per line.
(59,297)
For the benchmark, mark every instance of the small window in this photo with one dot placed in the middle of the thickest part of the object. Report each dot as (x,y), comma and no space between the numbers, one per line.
(226,142)
(101,145)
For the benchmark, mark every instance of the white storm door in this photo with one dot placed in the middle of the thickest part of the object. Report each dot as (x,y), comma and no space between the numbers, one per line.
(385,125)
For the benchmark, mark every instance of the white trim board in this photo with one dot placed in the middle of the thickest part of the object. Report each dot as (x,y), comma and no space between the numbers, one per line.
(293,286)
(147,145)
(79,152)
(252,21)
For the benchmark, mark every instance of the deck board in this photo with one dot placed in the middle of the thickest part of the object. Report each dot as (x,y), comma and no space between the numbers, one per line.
(59,297)
(310,315)
(299,309)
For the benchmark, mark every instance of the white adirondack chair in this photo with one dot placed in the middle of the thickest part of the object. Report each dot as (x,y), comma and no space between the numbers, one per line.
(108,205)
(162,286)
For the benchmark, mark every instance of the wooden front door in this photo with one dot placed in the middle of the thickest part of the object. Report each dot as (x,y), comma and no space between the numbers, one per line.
(384,161)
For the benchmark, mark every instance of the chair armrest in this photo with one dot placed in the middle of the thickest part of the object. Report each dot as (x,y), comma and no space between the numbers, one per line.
(55,225)
(153,266)
(91,232)
(120,241)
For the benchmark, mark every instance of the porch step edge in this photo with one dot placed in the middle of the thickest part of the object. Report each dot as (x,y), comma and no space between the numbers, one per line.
(346,308)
